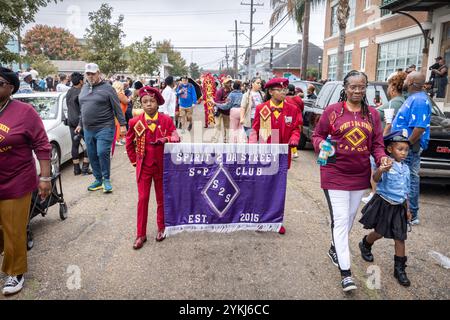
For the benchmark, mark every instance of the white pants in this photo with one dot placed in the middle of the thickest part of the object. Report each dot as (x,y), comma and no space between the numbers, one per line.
(343,206)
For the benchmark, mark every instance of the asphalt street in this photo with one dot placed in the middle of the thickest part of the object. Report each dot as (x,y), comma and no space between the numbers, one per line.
(90,254)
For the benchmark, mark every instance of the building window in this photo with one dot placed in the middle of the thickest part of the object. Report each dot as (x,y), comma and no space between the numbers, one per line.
(351,15)
(332,64)
(399,54)
(384,12)
(367,4)
(334,22)
(347,61)
(363,59)
(350,20)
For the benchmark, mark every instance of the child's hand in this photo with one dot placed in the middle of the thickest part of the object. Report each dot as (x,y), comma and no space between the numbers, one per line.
(385,167)
(408,216)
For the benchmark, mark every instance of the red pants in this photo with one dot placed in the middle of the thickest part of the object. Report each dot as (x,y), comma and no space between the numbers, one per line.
(144,185)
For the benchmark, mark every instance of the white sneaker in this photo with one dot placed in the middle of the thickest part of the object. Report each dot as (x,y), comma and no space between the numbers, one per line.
(295,155)
(368,198)
(415,222)
(13,284)
(348,284)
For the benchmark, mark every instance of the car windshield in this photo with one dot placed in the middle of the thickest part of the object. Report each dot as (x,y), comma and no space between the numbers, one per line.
(435,111)
(372,93)
(304,86)
(47,107)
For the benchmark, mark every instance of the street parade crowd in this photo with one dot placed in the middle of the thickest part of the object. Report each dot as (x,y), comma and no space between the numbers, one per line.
(366,145)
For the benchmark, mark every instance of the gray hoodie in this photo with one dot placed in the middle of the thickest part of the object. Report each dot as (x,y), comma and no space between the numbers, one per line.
(99,105)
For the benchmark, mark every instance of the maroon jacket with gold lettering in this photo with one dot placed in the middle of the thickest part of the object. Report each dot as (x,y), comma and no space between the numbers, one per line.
(286,125)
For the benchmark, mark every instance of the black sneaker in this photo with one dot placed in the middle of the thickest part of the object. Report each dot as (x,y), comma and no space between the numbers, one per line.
(13,284)
(366,253)
(333,256)
(348,284)
(190,127)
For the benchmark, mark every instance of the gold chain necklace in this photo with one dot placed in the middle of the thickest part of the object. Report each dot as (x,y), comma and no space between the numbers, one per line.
(5,105)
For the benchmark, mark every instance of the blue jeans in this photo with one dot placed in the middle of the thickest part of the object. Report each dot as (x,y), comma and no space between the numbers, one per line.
(413,162)
(99,144)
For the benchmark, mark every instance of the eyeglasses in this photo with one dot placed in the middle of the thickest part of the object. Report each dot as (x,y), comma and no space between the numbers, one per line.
(3,83)
(360,88)
(284,90)
(90,73)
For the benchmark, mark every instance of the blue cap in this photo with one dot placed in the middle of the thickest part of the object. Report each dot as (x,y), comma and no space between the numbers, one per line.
(396,136)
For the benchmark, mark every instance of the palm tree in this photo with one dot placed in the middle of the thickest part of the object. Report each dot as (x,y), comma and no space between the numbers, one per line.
(299,11)
(343,11)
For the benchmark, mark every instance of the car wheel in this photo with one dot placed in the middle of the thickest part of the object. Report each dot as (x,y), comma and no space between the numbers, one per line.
(55,161)
(302,142)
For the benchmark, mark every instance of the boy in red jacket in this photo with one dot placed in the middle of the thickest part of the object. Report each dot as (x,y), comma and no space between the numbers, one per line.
(145,141)
(276,120)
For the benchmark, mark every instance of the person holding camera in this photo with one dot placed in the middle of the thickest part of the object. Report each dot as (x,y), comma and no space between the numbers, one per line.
(73,120)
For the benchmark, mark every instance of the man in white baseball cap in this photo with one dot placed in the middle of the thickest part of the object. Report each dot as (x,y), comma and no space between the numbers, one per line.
(99,105)
(91,68)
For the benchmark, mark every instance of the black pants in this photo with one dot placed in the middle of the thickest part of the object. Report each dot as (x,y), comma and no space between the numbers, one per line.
(76,144)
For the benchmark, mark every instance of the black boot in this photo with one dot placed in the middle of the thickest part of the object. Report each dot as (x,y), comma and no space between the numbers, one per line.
(76,169)
(399,271)
(366,250)
(85,169)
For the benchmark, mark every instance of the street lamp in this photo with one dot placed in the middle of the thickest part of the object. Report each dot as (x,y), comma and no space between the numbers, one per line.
(319,60)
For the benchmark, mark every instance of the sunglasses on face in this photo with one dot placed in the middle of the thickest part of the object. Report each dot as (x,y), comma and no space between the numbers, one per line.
(90,74)
(3,83)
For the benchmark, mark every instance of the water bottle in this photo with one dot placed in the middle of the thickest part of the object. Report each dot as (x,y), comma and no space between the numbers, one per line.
(442,260)
(325,152)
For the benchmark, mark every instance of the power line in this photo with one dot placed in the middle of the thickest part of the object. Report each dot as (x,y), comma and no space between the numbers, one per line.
(272,28)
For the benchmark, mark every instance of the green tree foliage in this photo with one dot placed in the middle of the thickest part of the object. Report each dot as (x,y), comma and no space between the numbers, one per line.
(179,64)
(141,60)
(55,43)
(194,71)
(104,41)
(42,64)
(14,15)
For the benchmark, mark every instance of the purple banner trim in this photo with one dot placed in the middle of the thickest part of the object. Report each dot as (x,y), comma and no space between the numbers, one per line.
(224,187)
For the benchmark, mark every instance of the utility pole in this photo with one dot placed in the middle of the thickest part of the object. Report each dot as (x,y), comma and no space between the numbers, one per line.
(236,51)
(226,57)
(271,54)
(19,43)
(251,23)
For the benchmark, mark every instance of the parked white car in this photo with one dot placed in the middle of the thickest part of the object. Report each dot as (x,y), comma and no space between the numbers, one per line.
(52,108)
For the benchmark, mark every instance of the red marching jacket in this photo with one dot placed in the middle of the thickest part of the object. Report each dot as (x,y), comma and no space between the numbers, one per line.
(143,145)
(287,124)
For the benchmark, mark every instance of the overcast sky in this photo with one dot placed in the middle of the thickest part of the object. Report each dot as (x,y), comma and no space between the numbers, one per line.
(190,23)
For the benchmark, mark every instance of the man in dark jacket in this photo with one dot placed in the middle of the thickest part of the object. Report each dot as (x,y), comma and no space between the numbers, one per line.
(73,119)
(99,106)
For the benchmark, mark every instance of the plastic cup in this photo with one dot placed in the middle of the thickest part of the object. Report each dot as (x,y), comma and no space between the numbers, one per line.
(388,115)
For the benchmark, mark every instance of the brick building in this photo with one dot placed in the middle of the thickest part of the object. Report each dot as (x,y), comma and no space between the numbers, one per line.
(377,41)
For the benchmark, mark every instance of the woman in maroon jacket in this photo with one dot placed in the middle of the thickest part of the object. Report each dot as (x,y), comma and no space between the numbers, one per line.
(356,133)
(21,133)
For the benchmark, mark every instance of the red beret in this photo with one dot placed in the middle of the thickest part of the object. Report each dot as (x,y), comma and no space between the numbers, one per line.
(277,82)
(152,92)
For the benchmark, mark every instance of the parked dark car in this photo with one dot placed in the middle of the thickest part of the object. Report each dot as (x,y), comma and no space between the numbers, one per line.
(435,161)
(329,94)
(303,84)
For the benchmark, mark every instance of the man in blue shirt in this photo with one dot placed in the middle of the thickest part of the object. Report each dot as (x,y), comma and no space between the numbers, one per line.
(187,98)
(414,116)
